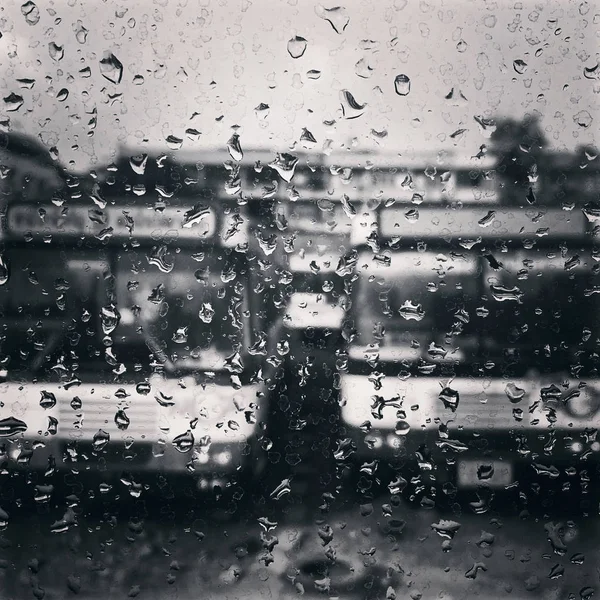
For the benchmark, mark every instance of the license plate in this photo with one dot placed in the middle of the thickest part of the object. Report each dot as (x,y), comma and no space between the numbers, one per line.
(493,473)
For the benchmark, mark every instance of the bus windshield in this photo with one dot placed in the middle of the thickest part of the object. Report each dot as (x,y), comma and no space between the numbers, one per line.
(410,305)
(533,308)
(112,312)
(190,312)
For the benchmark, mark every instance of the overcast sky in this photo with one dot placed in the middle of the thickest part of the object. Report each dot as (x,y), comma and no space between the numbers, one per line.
(207,65)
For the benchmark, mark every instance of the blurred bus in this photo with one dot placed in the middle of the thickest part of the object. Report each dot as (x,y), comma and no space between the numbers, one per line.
(135,334)
(474,358)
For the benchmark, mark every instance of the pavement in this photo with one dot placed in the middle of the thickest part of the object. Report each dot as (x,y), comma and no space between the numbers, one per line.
(357,550)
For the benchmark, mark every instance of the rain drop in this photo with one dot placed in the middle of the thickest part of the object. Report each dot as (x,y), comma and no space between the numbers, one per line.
(4,270)
(296,47)
(234,148)
(520,66)
(184,443)
(31,13)
(11,426)
(351,109)
(111,68)
(56,52)
(337,17)
(402,85)
(13,102)
(122,421)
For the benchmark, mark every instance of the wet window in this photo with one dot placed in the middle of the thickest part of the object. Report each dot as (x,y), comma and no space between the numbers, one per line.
(299,299)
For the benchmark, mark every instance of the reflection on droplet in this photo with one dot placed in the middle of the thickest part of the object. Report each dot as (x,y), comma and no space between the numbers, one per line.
(519,66)
(504,294)
(234,148)
(111,68)
(282,489)
(411,312)
(514,393)
(195,215)
(56,52)
(337,17)
(173,142)
(402,85)
(100,440)
(81,33)
(262,111)
(450,398)
(31,13)
(185,442)
(285,165)
(351,109)
(159,258)
(307,139)
(363,69)
(47,400)
(11,426)
(296,47)
(4,270)
(13,102)
(122,421)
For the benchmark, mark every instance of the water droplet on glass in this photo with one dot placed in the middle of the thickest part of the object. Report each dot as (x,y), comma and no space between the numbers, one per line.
(111,68)
(583,118)
(307,139)
(159,258)
(122,421)
(514,393)
(592,211)
(347,263)
(11,426)
(138,163)
(313,74)
(62,95)
(143,388)
(402,85)
(31,13)
(4,270)
(336,16)
(282,489)
(81,33)
(296,47)
(285,165)
(234,147)
(180,335)
(110,318)
(195,215)
(520,66)
(207,312)
(486,126)
(47,400)
(363,69)
(184,442)
(487,220)
(173,142)
(56,52)
(402,428)
(411,312)
(262,111)
(351,109)
(450,398)
(504,294)
(13,102)
(100,440)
